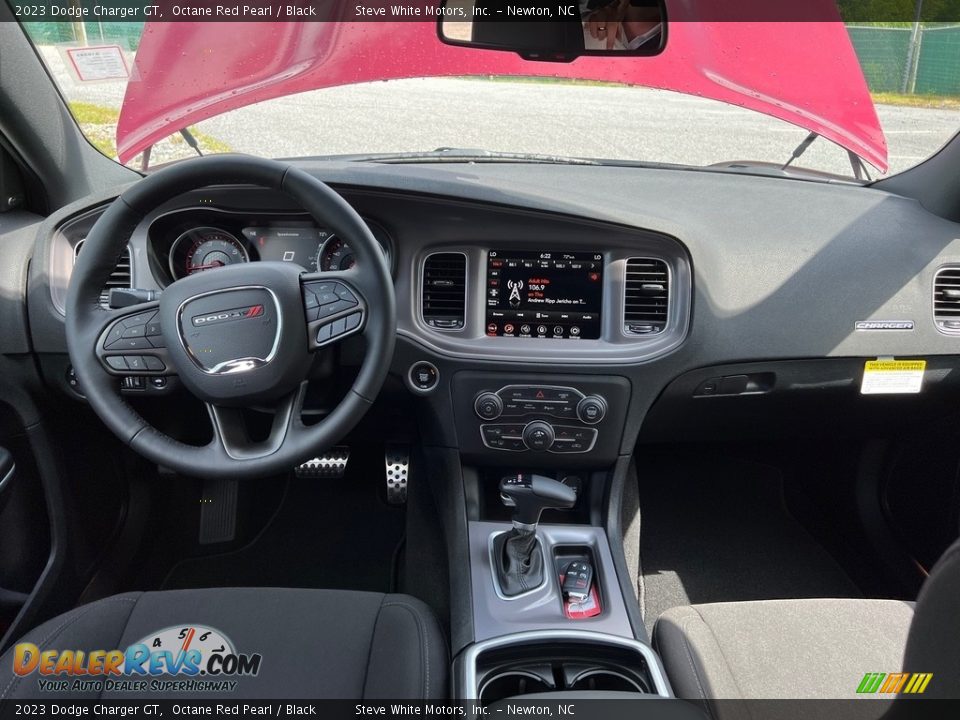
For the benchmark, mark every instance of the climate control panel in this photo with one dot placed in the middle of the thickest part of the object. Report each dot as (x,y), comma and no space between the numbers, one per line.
(565,403)
(538,436)
(550,419)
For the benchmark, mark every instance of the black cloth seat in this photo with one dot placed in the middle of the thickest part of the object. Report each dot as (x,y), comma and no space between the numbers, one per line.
(815,649)
(315,644)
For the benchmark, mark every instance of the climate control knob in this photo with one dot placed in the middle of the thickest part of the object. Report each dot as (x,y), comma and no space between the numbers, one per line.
(591,409)
(488,406)
(538,435)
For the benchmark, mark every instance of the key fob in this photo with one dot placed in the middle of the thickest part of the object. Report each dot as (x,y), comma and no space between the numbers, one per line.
(577,580)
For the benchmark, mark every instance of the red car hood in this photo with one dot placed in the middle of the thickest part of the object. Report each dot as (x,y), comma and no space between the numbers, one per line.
(804,73)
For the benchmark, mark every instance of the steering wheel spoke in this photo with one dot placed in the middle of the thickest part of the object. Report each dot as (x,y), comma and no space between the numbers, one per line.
(231,431)
(234,337)
(334,305)
(131,342)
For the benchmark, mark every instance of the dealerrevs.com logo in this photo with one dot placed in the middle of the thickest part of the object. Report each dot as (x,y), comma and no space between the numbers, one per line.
(191,658)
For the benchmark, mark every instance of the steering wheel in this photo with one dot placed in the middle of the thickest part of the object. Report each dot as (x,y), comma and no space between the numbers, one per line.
(241,335)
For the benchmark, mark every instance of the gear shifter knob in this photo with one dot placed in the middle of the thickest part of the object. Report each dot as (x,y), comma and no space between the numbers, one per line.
(530,495)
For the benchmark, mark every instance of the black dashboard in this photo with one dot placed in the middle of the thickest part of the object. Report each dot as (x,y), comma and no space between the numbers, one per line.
(605,282)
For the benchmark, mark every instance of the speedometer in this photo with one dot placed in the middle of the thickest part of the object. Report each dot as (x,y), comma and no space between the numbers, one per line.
(335,255)
(205,248)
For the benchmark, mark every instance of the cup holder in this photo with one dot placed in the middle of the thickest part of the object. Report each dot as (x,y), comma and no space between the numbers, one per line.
(607,681)
(512,684)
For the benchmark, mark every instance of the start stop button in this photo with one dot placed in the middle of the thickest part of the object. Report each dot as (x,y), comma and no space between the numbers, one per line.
(423,377)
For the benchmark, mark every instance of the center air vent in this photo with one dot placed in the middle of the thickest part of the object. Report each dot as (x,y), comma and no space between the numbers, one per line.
(119,278)
(646,296)
(443,294)
(946,300)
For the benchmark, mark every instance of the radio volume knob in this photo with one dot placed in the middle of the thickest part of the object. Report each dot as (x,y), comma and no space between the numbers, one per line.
(488,406)
(538,435)
(591,409)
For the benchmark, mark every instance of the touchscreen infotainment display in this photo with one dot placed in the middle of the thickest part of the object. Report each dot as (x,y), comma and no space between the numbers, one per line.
(535,294)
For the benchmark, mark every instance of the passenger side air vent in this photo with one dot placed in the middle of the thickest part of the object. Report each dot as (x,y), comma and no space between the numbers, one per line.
(946,300)
(443,294)
(646,296)
(119,278)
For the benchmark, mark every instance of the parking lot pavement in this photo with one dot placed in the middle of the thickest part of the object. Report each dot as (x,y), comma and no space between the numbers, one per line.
(575,120)
(533,117)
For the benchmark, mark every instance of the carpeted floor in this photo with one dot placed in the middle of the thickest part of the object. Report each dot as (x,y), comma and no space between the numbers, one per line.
(715,530)
(326,533)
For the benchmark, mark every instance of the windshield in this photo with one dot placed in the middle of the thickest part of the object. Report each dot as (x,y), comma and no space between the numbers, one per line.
(896,98)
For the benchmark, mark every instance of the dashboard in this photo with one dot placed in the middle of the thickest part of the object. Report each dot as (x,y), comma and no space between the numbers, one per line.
(574,297)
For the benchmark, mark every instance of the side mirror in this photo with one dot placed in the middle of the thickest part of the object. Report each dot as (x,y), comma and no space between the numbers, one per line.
(556,31)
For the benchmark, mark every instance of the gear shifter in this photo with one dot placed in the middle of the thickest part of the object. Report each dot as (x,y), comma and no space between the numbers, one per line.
(519,567)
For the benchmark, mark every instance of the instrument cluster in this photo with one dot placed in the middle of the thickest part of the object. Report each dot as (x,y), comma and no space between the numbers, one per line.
(188,242)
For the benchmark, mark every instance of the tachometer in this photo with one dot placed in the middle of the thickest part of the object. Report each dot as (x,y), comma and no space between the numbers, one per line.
(205,248)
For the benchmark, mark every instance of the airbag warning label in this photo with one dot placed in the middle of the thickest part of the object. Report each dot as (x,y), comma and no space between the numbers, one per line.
(891,377)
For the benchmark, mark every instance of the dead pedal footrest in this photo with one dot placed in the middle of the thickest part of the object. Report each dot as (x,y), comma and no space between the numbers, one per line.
(397,461)
(332,464)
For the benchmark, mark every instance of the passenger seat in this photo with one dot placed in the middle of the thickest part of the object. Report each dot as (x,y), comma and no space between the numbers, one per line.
(821,648)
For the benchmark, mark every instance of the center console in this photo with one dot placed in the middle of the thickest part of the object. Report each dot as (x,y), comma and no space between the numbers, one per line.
(538,340)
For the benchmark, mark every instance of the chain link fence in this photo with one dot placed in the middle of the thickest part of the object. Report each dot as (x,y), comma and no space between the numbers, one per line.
(124,34)
(922,60)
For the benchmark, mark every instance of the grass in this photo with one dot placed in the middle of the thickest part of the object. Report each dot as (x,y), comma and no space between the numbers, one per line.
(99,122)
(947,102)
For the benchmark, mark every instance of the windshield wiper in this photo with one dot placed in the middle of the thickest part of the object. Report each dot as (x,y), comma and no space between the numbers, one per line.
(451,154)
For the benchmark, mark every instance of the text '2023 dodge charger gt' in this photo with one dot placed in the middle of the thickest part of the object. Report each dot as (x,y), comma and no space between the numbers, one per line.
(461,357)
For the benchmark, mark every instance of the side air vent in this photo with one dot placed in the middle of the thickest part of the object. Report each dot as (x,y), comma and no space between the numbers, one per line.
(119,278)
(646,296)
(946,300)
(443,294)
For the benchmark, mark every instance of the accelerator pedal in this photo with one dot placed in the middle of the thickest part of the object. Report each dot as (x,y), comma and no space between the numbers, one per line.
(332,464)
(397,459)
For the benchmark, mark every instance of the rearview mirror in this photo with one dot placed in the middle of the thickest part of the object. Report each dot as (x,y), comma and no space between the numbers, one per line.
(556,31)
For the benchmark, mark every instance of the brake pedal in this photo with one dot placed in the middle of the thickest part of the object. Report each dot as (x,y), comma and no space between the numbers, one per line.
(397,460)
(332,464)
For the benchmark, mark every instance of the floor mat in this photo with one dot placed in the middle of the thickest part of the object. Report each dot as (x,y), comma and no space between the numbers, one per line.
(325,534)
(714,530)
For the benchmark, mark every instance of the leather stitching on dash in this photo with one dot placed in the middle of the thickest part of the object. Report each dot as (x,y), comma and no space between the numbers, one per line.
(424,641)
(56,633)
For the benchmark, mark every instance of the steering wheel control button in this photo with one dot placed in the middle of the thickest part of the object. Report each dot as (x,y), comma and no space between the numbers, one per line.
(338,328)
(135,363)
(591,409)
(343,292)
(117,362)
(423,377)
(153,363)
(488,406)
(353,321)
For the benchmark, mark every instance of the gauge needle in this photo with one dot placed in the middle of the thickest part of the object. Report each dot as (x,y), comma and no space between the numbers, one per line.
(214,264)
